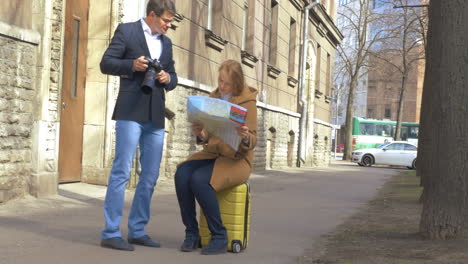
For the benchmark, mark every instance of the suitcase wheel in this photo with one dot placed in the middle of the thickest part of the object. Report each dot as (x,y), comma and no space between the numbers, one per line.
(236,246)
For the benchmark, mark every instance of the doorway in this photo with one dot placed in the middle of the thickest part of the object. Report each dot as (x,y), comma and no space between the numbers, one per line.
(73,88)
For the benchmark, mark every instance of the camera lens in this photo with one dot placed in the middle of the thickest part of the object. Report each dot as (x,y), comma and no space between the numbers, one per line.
(148,81)
(150,76)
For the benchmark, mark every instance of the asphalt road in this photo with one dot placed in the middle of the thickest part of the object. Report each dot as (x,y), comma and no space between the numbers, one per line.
(290,210)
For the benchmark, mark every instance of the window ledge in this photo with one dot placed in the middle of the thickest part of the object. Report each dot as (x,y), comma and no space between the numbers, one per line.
(327,99)
(292,81)
(248,59)
(318,94)
(273,72)
(214,41)
(21,34)
(176,22)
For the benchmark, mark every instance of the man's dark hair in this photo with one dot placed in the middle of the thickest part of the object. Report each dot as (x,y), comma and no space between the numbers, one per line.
(159,6)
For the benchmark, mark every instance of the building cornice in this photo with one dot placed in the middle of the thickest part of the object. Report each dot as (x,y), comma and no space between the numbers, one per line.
(325,25)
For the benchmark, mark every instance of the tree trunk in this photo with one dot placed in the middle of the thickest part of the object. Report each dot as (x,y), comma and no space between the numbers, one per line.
(348,146)
(401,101)
(424,139)
(404,77)
(445,200)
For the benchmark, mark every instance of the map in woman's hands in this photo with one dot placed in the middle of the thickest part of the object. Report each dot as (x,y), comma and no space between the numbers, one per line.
(218,117)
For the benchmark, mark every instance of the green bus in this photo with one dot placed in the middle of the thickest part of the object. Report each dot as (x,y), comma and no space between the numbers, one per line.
(370,133)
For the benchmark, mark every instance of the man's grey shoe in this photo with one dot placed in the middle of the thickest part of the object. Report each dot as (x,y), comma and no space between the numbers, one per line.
(144,241)
(116,243)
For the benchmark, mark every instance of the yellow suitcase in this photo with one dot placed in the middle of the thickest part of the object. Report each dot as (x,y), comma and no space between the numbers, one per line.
(234,204)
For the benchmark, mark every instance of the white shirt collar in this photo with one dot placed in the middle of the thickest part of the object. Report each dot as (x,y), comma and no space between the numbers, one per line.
(147,29)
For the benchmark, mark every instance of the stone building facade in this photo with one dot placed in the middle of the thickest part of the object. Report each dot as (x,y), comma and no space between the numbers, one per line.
(19,68)
(46,88)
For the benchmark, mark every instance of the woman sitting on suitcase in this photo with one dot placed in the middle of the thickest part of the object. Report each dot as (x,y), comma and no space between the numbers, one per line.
(218,166)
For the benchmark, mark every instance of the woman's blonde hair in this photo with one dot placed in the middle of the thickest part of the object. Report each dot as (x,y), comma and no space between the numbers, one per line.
(233,71)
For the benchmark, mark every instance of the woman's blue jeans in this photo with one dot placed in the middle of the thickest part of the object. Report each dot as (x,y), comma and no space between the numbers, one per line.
(192,181)
(129,135)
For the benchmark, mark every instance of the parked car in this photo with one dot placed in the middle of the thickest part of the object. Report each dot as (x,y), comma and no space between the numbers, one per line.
(400,153)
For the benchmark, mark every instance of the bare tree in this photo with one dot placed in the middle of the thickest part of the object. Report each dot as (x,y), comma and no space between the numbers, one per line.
(404,48)
(442,157)
(356,18)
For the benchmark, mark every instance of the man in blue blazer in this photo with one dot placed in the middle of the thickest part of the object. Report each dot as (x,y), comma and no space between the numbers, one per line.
(139,119)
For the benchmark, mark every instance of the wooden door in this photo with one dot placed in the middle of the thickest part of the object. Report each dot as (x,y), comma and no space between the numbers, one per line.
(73,88)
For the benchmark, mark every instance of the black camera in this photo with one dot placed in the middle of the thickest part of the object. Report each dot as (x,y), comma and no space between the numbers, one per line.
(154,67)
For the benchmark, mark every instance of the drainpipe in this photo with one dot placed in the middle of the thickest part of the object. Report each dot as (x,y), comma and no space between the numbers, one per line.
(302,99)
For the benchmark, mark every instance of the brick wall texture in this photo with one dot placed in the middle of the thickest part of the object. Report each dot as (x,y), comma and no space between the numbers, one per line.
(17,95)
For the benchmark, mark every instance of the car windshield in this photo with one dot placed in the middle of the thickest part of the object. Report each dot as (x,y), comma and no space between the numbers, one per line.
(383,145)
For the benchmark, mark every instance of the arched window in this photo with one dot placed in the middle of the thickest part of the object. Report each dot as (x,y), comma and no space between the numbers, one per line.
(270,147)
(291,143)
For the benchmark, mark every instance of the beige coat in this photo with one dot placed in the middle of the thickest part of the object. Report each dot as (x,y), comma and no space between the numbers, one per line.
(232,167)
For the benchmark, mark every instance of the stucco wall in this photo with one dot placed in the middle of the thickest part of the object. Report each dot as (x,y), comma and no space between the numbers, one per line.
(16,12)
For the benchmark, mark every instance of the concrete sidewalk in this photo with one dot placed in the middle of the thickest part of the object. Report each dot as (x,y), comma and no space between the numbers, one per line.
(290,210)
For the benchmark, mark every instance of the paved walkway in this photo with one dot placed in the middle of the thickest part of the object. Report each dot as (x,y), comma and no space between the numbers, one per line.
(290,210)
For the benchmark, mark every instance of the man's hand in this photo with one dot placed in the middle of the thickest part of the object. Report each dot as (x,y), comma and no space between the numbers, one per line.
(198,131)
(163,77)
(140,64)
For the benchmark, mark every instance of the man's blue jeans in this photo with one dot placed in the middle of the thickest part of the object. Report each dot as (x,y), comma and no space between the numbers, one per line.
(128,135)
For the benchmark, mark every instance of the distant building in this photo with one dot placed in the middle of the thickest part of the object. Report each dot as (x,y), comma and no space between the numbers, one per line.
(378,89)
(384,92)
(384,85)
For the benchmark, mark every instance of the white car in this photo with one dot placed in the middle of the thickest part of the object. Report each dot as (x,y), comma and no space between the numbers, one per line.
(400,153)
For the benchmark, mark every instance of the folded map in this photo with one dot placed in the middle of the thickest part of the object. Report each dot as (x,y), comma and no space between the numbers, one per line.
(218,117)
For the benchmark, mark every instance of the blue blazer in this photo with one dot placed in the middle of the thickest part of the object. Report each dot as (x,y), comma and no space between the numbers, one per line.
(132,104)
